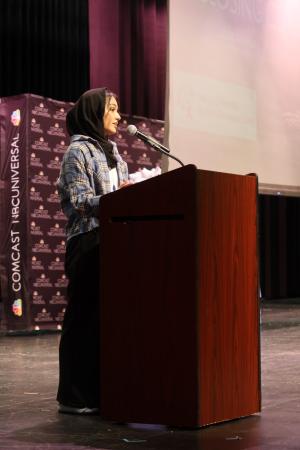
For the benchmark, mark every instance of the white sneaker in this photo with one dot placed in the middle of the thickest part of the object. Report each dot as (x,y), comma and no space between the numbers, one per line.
(73,410)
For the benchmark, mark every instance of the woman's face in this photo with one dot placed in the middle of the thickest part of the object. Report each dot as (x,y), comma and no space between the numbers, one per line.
(111,116)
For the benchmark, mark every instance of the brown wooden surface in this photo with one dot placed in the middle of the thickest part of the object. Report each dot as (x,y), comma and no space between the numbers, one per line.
(179,335)
(228,313)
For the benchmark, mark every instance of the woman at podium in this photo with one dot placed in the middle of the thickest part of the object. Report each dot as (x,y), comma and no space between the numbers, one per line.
(91,167)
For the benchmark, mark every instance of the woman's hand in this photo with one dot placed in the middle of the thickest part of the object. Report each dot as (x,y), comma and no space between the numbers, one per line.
(125,184)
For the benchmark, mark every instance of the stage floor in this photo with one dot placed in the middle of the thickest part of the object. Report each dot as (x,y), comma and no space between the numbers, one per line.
(29,418)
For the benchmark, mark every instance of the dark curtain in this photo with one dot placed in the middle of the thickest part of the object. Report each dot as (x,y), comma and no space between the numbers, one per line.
(279,246)
(128,45)
(44,48)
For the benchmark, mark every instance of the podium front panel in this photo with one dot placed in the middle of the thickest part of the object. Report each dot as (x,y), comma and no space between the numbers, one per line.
(179,311)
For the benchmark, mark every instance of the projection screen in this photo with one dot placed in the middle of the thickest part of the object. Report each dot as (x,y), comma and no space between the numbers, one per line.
(233,88)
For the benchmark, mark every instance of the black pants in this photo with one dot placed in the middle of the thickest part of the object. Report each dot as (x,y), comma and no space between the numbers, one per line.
(79,344)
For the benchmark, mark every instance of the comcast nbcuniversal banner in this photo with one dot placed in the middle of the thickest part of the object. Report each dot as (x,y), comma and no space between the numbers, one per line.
(32,225)
(32,237)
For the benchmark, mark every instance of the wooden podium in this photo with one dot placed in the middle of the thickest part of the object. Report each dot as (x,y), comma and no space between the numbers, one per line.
(179,300)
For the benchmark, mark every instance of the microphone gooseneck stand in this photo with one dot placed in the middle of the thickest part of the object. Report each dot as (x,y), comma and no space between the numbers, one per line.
(168,154)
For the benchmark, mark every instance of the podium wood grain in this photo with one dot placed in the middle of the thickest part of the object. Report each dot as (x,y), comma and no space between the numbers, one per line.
(179,300)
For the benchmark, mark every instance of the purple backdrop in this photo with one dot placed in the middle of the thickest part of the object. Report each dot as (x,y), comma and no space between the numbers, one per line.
(32,238)
(128,45)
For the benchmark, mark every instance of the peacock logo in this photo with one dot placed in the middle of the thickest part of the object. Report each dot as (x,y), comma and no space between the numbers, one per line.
(17,307)
(15,117)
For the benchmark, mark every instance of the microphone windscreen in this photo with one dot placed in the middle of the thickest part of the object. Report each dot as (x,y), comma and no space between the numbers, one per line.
(131,129)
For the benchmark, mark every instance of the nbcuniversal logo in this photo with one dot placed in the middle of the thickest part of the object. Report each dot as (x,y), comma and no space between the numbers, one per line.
(17,307)
(15,117)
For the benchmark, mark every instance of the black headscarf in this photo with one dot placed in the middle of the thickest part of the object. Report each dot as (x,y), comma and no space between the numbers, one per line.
(86,117)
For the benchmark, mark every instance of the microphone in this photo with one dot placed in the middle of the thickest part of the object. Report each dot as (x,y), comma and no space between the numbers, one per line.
(133,131)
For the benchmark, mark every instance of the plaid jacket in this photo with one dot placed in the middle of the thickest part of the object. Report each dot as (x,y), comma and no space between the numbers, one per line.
(83,179)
